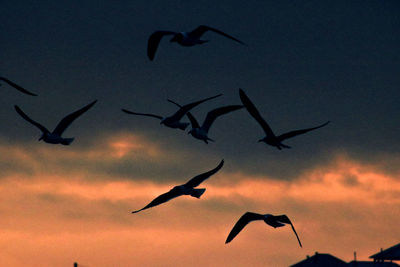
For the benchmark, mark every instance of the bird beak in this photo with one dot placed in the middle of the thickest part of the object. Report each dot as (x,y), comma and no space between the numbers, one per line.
(40,138)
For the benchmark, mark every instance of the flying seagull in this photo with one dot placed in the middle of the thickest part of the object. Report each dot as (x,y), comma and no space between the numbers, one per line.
(55,136)
(201,132)
(184,189)
(272,220)
(183,38)
(174,120)
(16,86)
(271,138)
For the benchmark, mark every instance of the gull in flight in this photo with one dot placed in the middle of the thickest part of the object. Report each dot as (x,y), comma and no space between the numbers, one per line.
(271,138)
(16,86)
(201,132)
(183,38)
(184,189)
(174,120)
(55,136)
(272,220)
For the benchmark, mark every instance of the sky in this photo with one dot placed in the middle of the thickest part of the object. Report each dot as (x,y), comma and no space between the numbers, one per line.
(306,62)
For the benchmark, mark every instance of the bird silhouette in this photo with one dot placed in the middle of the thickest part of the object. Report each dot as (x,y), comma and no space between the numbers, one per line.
(184,189)
(55,136)
(173,121)
(16,86)
(183,38)
(271,138)
(272,220)
(201,132)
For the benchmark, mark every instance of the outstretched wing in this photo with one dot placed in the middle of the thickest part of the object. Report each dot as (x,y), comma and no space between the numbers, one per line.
(195,181)
(16,86)
(254,113)
(297,132)
(142,114)
(154,41)
(67,120)
(192,119)
(285,219)
(215,113)
(241,223)
(23,115)
(161,199)
(184,109)
(199,31)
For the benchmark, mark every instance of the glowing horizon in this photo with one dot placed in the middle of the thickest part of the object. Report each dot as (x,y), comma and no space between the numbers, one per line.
(85,219)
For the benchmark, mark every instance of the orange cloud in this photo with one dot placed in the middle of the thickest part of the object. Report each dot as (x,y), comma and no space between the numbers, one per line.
(53,218)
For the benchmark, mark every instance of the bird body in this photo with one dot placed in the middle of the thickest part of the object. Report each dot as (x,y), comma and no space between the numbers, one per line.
(183,38)
(188,190)
(272,220)
(173,121)
(52,138)
(186,39)
(184,189)
(273,141)
(201,132)
(55,136)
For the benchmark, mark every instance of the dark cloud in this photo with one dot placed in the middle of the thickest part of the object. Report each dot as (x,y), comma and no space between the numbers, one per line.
(306,63)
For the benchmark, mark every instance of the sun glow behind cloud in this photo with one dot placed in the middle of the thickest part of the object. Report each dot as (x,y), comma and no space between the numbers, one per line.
(52,218)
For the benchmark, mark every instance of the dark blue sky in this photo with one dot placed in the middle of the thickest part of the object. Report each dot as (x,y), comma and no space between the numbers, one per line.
(306,62)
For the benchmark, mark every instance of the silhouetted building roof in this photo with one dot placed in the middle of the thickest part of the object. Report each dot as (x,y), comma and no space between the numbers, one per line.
(391,254)
(321,259)
(371,264)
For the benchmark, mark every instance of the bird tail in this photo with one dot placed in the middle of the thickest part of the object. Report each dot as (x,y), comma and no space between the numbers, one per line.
(208,139)
(285,146)
(67,141)
(198,192)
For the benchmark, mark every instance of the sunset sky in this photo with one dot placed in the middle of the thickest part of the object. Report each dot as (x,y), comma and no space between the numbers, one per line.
(306,62)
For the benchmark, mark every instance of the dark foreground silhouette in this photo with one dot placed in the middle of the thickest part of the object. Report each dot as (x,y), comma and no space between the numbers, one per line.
(271,138)
(183,38)
(184,189)
(55,136)
(272,220)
